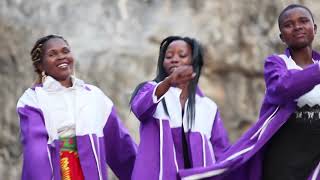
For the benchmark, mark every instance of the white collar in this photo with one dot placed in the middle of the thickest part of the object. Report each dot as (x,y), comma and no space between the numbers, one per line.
(51,84)
(176,90)
(292,61)
(291,64)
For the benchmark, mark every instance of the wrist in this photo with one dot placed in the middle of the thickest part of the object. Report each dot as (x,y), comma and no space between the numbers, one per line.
(168,80)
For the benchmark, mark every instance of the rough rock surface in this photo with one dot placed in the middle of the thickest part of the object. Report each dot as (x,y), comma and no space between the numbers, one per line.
(116,45)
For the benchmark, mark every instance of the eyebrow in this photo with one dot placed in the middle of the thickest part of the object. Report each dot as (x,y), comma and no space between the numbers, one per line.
(286,19)
(52,49)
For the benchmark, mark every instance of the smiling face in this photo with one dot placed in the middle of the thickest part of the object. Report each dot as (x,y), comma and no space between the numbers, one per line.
(178,53)
(297,28)
(57,59)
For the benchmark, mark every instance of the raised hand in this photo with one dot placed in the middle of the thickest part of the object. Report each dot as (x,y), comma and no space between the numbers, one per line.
(181,75)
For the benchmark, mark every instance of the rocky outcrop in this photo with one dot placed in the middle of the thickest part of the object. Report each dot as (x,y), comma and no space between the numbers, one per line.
(116,45)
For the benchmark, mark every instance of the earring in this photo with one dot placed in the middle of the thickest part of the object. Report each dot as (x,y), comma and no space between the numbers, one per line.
(74,72)
(43,77)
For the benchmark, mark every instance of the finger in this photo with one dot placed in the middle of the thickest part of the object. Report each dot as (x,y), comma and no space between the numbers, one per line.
(185,73)
(184,68)
(184,79)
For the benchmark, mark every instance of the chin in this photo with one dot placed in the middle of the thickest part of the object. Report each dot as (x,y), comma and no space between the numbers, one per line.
(63,77)
(300,45)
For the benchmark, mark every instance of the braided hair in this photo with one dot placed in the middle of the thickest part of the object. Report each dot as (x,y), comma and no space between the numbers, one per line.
(37,52)
(196,62)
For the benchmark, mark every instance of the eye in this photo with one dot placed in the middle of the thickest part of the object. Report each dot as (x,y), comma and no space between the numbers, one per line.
(287,25)
(66,50)
(168,55)
(183,55)
(305,21)
(51,54)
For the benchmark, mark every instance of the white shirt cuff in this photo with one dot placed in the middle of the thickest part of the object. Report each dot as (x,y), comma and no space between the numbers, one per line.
(154,97)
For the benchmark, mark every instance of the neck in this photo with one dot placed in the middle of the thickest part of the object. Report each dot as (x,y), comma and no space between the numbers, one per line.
(66,83)
(184,94)
(302,57)
(183,87)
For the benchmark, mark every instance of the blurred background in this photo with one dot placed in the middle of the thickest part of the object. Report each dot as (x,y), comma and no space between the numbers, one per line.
(116,43)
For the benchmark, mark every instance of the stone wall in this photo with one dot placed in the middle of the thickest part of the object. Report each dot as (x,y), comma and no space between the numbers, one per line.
(116,45)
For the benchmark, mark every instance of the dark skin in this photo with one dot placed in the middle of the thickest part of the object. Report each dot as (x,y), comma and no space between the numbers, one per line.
(297,31)
(57,61)
(177,64)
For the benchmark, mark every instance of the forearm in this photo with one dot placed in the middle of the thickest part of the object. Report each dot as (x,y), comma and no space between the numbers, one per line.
(163,87)
(286,85)
(120,148)
(145,101)
(36,161)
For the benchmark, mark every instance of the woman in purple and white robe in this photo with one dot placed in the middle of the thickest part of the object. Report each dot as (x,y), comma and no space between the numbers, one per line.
(284,143)
(180,127)
(69,129)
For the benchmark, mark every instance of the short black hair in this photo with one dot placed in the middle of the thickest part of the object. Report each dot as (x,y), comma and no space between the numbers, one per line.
(293,6)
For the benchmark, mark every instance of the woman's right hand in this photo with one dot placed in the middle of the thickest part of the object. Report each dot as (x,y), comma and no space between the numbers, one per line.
(181,75)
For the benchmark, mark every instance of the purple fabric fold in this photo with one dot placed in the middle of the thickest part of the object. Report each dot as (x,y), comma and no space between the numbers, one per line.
(42,160)
(120,148)
(243,160)
(160,150)
(36,164)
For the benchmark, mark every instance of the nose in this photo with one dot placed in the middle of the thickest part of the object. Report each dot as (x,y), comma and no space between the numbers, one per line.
(174,60)
(61,56)
(297,26)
